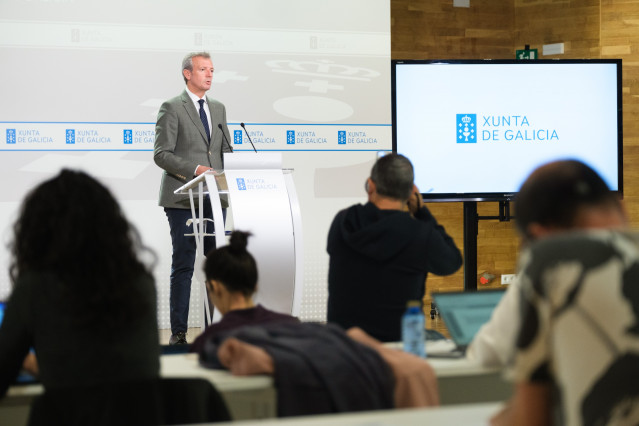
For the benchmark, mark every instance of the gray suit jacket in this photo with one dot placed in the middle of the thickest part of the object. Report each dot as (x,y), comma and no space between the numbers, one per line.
(181,145)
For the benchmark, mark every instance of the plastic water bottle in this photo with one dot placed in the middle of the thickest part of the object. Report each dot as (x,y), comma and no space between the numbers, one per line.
(413,329)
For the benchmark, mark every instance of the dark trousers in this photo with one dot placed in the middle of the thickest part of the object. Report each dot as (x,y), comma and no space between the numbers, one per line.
(183,260)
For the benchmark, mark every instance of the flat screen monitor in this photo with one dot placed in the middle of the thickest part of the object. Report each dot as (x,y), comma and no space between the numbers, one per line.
(475,129)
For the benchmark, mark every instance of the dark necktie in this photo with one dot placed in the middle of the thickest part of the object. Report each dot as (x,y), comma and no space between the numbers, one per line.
(204,120)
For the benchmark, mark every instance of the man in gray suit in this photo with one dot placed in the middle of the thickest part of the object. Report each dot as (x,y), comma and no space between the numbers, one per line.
(188,142)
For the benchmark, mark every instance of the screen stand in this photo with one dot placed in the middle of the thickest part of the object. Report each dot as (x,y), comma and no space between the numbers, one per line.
(471,221)
(471,228)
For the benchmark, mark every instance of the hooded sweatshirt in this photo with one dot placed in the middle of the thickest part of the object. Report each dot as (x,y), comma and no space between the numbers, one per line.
(379,260)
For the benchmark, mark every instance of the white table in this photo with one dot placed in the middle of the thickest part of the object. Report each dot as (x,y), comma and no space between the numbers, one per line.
(466,415)
(462,381)
(251,397)
(247,397)
(254,397)
(14,407)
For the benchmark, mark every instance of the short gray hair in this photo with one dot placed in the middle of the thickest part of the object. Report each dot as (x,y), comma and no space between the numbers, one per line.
(187,62)
(393,175)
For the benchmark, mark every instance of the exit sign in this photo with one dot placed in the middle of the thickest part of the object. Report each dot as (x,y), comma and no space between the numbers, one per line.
(526,54)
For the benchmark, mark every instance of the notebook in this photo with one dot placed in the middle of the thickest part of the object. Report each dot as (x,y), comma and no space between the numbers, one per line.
(465,312)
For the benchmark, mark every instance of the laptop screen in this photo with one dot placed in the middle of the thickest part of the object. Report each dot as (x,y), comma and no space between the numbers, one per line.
(465,312)
(1,311)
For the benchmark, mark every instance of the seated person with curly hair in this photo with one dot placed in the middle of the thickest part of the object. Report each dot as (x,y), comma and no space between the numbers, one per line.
(81,297)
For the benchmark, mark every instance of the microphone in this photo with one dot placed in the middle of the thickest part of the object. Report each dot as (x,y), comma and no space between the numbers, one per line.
(247,135)
(219,126)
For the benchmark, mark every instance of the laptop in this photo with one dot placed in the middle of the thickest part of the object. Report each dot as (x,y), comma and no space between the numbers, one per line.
(464,313)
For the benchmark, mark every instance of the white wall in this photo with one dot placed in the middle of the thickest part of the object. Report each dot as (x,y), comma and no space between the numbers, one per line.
(313,68)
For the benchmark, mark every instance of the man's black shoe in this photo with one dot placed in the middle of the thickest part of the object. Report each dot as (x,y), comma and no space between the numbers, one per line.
(178,338)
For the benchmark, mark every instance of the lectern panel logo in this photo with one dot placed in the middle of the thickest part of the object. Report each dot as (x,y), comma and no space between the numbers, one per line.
(237,137)
(341,137)
(11,136)
(70,136)
(241,185)
(466,128)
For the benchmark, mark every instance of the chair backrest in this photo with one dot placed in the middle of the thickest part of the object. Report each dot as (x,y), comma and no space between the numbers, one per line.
(192,400)
(165,401)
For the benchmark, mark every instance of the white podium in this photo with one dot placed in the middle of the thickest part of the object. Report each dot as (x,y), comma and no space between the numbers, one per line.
(262,201)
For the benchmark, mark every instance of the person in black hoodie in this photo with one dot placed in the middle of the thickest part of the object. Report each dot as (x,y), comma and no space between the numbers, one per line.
(381,252)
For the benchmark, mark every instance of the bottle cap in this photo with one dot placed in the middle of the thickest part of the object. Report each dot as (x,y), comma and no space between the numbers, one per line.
(413,304)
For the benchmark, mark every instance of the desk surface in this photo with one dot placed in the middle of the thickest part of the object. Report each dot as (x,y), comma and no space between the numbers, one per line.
(449,367)
(181,365)
(460,382)
(187,365)
(247,397)
(467,415)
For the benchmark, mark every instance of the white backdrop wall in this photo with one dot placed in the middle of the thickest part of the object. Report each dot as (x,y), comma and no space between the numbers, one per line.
(82,81)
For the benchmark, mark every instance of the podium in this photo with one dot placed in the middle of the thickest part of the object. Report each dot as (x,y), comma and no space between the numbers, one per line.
(262,201)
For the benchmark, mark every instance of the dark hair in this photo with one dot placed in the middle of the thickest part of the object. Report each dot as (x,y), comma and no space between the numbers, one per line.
(554,193)
(233,265)
(393,176)
(71,228)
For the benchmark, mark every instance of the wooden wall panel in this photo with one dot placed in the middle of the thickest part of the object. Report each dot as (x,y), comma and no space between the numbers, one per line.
(575,23)
(620,39)
(434,29)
